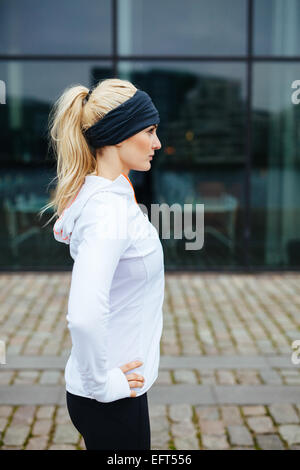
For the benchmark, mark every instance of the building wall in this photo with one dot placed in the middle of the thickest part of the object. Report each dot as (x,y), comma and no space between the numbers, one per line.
(220,73)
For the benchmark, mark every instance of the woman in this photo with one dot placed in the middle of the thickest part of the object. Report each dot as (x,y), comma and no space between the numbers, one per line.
(117,285)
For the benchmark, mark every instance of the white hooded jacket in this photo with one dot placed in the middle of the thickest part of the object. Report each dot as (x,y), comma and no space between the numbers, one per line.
(117,289)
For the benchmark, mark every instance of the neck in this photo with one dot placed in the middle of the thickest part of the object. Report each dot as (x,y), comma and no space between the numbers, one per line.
(109,164)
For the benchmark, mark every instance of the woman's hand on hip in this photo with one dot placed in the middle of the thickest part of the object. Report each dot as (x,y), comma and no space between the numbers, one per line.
(134,379)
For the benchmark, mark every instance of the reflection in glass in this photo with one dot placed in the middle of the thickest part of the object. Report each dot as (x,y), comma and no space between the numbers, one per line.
(55,27)
(202,159)
(26,166)
(174,27)
(275,178)
(276,27)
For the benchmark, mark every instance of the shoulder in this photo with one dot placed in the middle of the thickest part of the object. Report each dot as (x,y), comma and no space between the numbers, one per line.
(104,211)
(104,204)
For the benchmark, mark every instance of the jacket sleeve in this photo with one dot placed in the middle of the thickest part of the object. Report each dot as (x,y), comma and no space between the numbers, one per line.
(101,246)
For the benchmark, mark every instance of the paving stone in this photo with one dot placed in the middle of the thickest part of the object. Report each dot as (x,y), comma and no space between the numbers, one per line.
(9,448)
(6,411)
(269,442)
(3,423)
(160,440)
(159,423)
(231,415)
(253,410)
(261,424)
(270,376)
(242,448)
(247,377)
(81,443)
(290,433)
(62,415)
(62,447)
(191,348)
(41,427)
(28,374)
(180,412)
(284,413)
(207,412)
(182,429)
(37,443)
(185,376)
(45,412)
(213,442)
(290,372)
(157,410)
(164,378)
(50,377)
(14,349)
(24,414)
(212,427)
(225,377)
(186,443)
(6,377)
(65,434)
(171,349)
(16,435)
(292,380)
(239,435)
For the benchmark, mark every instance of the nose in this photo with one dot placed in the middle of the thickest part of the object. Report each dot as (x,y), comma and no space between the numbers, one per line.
(156,144)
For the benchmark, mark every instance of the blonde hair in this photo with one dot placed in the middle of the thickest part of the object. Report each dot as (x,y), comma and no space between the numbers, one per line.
(67,119)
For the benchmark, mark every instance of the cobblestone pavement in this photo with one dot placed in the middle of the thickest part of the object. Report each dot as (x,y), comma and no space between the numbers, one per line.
(226,378)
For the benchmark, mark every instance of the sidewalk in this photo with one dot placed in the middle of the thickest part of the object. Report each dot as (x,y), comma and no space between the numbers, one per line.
(226,378)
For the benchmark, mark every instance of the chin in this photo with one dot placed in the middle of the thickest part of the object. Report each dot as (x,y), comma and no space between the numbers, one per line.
(146,167)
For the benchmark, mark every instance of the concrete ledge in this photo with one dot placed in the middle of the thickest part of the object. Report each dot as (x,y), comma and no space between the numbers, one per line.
(165,394)
(224,394)
(166,362)
(30,394)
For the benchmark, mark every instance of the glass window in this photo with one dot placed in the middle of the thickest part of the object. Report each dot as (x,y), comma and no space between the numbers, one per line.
(26,167)
(276,27)
(55,27)
(176,27)
(31,88)
(275,176)
(202,158)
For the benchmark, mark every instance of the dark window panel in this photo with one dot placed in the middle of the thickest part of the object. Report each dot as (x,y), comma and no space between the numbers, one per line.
(275,176)
(55,27)
(202,159)
(176,27)
(276,27)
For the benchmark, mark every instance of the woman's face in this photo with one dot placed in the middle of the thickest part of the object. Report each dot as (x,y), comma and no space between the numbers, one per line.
(136,151)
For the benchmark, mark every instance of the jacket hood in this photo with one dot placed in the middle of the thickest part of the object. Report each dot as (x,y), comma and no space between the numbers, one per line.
(93,184)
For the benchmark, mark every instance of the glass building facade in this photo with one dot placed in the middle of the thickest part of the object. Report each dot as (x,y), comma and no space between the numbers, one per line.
(220,72)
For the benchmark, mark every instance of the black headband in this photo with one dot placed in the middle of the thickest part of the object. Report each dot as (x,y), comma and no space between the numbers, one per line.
(124,121)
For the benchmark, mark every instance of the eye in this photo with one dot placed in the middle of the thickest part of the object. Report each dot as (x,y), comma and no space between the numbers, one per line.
(151,130)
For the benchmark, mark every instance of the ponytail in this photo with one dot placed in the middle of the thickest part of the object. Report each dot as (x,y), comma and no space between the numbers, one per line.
(70,116)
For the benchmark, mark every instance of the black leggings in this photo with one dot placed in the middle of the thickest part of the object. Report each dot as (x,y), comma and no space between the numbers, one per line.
(117,425)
